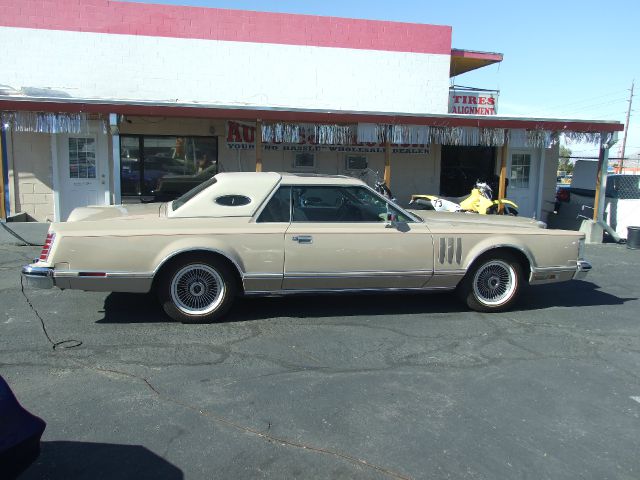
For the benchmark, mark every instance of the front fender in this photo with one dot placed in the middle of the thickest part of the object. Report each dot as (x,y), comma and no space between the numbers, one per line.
(494,243)
(504,201)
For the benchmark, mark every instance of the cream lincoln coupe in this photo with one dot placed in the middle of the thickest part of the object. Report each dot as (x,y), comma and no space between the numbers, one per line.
(274,234)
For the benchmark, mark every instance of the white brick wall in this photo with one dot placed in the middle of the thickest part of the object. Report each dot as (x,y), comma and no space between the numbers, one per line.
(30,164)
(137,68)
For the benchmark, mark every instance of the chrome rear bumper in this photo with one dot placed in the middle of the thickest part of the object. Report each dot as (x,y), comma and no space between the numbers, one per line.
(38,277)
(582,269)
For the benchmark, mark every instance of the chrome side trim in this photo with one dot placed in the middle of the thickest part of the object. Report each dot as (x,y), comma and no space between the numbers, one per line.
(130,274)
(372,273)
(262,275)
(106,284)
(542,275)
(77,273)
(135,282)
(553,269)
(347,291)
(460,271)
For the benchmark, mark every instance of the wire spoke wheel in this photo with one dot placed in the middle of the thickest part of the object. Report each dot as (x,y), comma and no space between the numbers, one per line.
(494,283)
(197,289)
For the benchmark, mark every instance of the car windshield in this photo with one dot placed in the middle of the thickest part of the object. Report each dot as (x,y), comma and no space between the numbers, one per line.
(177,203)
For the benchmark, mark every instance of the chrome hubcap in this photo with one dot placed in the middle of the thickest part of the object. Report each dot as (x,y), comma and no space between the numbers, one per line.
(197,289)
(494,283)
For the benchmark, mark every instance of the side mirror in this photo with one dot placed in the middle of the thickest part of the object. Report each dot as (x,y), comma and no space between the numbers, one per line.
(392,219)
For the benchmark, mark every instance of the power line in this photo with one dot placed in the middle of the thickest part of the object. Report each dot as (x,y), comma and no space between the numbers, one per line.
(595,105)
(617,92)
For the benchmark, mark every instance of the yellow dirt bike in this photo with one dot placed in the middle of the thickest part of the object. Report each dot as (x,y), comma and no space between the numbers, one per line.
(479,201)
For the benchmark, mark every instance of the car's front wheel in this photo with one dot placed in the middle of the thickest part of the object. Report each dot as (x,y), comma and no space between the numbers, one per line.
(493,283)
(197,290)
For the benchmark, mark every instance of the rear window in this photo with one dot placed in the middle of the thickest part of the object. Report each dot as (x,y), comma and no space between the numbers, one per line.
(176,204)
(233,200)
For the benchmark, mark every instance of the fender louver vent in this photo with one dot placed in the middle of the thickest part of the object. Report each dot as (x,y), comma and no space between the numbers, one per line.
(450,250)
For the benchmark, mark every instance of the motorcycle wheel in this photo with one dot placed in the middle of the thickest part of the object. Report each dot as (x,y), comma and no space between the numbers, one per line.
(507,210)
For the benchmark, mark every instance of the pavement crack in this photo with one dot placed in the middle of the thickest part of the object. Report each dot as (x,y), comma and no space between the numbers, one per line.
(599,356)
(249,430)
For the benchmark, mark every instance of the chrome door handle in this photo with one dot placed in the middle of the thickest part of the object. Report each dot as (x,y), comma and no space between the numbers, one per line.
(303,239)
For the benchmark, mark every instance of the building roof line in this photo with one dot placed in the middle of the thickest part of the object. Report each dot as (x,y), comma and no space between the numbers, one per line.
(285,114)
(203,23)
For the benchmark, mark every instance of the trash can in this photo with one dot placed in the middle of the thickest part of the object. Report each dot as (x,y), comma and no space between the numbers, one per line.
(633,238)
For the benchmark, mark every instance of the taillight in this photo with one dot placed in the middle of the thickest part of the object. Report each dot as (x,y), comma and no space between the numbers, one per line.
(46,249)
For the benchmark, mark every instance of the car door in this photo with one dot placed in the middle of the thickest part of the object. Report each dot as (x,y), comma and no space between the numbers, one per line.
(262,247)
(340,238)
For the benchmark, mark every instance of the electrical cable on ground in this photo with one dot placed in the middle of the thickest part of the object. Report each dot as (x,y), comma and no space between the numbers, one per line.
(63,344)
(72,343)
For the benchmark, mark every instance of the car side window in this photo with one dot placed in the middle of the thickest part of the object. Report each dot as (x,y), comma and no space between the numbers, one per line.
(341,204)
(278,209)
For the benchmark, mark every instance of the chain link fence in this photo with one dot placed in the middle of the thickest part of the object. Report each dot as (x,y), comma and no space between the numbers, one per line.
(624,179)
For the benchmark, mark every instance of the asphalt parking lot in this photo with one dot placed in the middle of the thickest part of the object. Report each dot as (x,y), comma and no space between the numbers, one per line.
(398,386)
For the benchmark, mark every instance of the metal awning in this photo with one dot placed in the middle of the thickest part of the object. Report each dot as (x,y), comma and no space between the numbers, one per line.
(270,114)
(463,61)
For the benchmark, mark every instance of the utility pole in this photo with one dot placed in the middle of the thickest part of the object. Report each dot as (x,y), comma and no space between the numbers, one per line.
(626,129)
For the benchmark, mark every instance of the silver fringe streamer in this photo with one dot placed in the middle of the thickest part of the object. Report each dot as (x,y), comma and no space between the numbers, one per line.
(518,138)
(537,138)
(492,137)
(322,134)
(331,134)
(367,133)
(45,122)
(582,137)
(334,134)
(281,133)
(409,134)
(448,135)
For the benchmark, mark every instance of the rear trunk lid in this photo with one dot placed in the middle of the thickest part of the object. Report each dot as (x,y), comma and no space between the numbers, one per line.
(134,211)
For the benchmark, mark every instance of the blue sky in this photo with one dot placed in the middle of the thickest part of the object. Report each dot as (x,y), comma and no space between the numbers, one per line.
(562,59)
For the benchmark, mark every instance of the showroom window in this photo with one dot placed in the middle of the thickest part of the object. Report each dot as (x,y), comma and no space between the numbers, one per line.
(356,162)
(162,168)
(304,161)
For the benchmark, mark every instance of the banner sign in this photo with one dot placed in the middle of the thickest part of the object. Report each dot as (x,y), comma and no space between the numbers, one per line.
(241,136)
(471,102)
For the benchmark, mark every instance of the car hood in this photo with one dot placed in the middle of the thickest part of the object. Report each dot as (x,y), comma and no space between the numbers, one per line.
(455,218)
(135,211)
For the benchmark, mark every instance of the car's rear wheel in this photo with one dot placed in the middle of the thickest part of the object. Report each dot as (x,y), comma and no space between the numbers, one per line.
(196,289)
(493,283)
